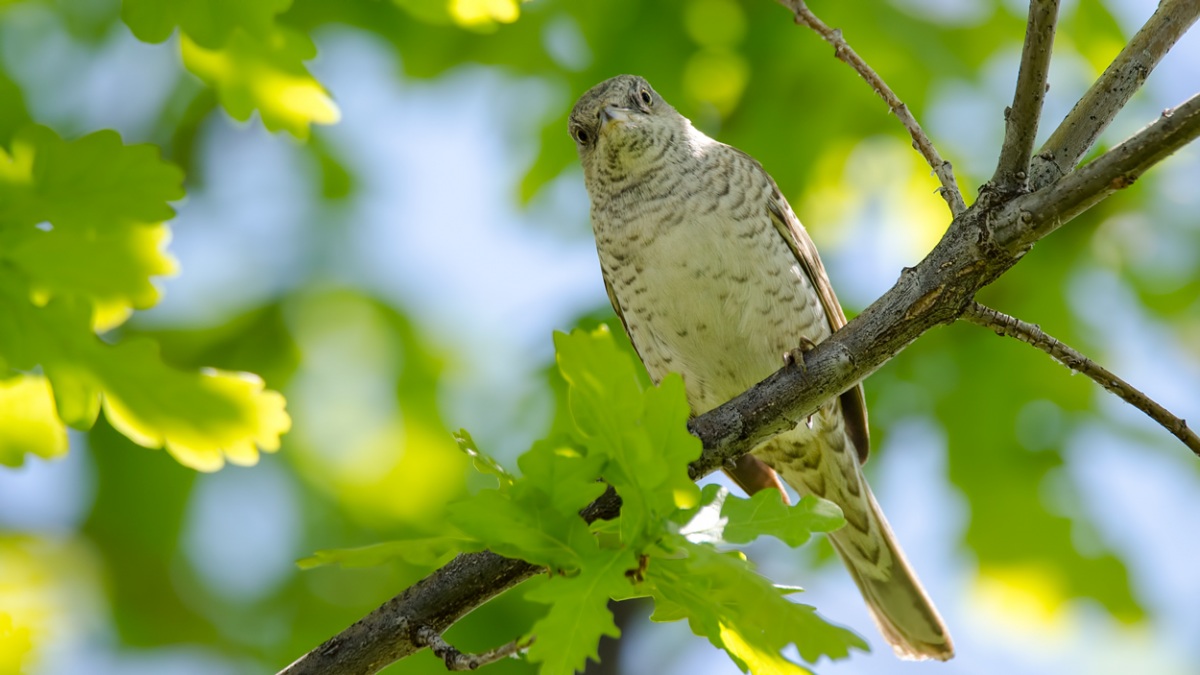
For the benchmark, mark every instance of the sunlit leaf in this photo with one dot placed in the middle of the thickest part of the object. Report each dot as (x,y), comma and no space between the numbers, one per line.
(79,218)
(267,74)
(28,421)
(483,15)
(754,657)
(202,418)
(765,513)
(721,596)
(16,641)
(112,265)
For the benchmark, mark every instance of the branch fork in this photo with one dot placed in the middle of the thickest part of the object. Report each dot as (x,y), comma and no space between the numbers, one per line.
(456,660)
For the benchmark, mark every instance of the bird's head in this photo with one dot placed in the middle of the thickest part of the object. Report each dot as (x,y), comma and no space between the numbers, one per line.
(622,127)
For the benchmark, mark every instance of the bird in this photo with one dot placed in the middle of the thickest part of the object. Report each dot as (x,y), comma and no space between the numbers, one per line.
(714,278)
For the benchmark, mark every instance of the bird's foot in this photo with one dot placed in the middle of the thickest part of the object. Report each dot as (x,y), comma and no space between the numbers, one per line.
(795,357)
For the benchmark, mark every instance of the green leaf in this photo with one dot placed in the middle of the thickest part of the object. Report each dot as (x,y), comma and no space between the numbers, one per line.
(78,184)
(604,392)
(765,513)
(570,479)
(13,114)
(267,74)
(665,419)
(202,418)
(738,610)
(569,634)
(483,463)
(79,218)
(238,48)
(643,434)
(524,524)
(421,552)
(79,244)
(111,265)
(208,22)
(28,421)
(753,658)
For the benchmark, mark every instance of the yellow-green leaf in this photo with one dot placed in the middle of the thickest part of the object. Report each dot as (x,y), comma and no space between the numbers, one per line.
(202,418)
(80,218)
(264,73)
(28,422)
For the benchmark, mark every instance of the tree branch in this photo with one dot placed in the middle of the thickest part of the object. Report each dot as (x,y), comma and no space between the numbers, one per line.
(981,244)
(393,631)
(456,660)
(1083,188)
(1033,335)
(1021,120)
(1109,94)
(841,49)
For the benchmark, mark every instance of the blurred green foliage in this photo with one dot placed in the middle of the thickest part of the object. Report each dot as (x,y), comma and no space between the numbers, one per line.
(82,231)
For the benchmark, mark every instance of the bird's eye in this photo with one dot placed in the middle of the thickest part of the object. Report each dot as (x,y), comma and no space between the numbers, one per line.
(582,135)
(645,96)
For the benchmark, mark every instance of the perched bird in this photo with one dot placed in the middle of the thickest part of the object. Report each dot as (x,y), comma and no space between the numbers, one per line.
(715,278)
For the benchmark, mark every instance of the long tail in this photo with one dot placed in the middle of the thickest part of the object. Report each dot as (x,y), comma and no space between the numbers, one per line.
(902,610)
(899,604)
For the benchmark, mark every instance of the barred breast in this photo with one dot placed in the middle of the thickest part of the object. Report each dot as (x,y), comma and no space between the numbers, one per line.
(721,312)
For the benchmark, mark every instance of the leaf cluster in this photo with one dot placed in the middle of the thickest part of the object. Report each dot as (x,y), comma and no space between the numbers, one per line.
(670,542)
(81,237)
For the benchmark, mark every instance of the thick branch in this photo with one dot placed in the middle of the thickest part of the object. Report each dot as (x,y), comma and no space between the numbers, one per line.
(1033,335)
(1125,75)
(395,630)
(841,49)
(1021,120)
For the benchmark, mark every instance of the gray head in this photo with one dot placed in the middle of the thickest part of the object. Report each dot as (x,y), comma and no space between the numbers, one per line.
(622,128)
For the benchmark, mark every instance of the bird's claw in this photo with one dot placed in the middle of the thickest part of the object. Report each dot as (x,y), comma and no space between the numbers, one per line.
(795,357)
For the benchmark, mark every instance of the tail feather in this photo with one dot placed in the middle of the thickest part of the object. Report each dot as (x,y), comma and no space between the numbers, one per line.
(818,462)
(902,610)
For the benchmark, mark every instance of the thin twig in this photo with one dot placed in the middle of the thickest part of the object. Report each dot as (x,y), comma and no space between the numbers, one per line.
(1021,120)
(1083,188)
(1109,94)
(456,660)
(941,168)
(1033,335)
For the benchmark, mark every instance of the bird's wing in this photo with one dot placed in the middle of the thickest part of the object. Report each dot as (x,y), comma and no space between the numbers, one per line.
(616,305)
(854,406)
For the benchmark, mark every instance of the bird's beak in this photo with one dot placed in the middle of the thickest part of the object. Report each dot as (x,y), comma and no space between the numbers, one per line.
(612,114)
